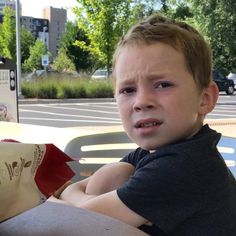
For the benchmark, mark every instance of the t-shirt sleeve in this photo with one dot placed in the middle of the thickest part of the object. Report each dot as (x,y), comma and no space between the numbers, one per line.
(164,191)
(134,156)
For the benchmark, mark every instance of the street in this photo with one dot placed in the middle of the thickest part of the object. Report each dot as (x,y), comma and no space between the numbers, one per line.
(96,113)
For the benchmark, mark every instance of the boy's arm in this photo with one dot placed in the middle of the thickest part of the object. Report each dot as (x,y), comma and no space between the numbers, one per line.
(109,177)
(107,204)
(76,193)
(88,195)
(71,193)
(106,179)
(110,204)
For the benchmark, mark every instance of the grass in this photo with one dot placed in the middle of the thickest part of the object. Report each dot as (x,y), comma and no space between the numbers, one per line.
(66,87)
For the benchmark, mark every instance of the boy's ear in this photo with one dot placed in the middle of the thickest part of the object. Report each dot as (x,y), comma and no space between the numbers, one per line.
(209,98)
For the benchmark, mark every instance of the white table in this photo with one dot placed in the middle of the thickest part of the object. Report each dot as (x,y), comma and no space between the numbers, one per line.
(26,133)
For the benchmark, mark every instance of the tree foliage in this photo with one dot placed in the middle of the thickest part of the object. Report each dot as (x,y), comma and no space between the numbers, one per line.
(8,34)
(81,58)
(104,22)
(217,20)
(34,62)
(8,37)
(27,40)
(63,62)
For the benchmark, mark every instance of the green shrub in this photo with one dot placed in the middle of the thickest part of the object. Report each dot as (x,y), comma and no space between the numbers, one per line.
(99,89)
(72,91)
(80,90)
(47,91)
(66,87)
(29,90)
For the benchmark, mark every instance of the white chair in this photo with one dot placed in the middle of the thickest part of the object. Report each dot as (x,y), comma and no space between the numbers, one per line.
(227,148)
(93,151)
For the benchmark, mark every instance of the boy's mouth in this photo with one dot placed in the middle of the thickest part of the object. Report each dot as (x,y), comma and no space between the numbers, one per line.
(147,123)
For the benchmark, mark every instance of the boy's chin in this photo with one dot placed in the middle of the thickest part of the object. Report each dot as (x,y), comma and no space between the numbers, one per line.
(149,147)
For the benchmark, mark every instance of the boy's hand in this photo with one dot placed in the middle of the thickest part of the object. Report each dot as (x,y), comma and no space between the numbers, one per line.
(58,192)
(56,195)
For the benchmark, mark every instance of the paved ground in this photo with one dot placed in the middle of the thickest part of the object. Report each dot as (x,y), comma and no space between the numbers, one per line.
(93,112)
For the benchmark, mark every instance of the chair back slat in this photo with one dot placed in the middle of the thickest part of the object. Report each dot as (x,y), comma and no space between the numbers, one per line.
(100,148)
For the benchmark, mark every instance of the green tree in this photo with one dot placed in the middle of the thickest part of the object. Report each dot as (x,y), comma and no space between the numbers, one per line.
(27,40)
(182,12)
(8,34)
(104,22)
(141,9)
(34,61)
(217,20)
(63,62)
(80,57)
(8,37)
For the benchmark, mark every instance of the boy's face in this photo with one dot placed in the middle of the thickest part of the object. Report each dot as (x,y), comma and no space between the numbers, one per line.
(158,100)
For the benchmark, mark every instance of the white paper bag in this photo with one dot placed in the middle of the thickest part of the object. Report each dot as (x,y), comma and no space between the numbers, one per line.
(29,174)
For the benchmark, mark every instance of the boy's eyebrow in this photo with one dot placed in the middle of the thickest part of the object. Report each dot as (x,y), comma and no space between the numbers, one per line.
(153,76)
(156,76)
(125,82)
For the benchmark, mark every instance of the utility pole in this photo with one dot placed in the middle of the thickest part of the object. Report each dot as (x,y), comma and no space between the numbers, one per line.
(18,48)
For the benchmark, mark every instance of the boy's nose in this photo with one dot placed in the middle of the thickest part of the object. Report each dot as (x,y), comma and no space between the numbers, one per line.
(144,100)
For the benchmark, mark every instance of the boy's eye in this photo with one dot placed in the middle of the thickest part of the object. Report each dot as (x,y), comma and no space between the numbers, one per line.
(127,90)
(163,85)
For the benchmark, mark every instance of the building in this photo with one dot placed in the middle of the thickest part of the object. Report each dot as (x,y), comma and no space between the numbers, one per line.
(6,3)
(57,22)
(49,28)
(38,27)
(9,3)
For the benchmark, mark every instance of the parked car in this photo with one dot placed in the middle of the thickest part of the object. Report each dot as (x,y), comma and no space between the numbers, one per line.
(223,83)
(232,76)
(101,74)
(39,74)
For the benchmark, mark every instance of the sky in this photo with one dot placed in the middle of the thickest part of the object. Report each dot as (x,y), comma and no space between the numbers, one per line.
(34,8)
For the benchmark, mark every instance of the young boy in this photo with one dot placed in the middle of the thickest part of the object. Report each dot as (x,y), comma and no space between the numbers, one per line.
(176,183)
